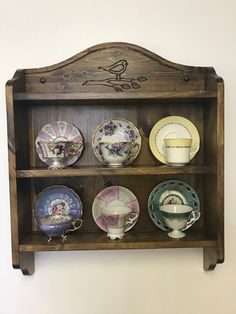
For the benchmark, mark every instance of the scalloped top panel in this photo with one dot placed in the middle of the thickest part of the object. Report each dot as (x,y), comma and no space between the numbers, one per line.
(115,68)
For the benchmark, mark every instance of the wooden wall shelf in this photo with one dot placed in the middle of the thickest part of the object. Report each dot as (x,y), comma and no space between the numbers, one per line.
(79,91)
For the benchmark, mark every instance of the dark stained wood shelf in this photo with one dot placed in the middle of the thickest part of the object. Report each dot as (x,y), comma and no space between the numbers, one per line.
(128,95)
(120,171)
(84,91)
(99,241)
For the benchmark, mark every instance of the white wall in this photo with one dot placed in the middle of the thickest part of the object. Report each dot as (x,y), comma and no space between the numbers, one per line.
(37,33)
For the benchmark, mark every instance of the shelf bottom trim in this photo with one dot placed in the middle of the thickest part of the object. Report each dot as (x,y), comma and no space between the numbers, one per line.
(99,241)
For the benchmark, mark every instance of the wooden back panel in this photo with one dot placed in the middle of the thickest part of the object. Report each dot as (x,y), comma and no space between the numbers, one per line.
(115,68)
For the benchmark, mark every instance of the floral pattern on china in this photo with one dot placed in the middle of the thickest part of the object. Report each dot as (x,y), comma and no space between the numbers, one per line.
(117,149)
(59,206)
(58,200)
(118,132)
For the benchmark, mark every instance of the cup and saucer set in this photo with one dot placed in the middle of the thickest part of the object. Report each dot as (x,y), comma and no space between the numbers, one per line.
(173,205)
(174,140)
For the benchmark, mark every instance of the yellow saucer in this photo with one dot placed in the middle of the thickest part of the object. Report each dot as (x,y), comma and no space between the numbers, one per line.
(172,127)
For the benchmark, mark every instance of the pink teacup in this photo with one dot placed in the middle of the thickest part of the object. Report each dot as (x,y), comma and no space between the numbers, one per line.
(116,219)
(57,151)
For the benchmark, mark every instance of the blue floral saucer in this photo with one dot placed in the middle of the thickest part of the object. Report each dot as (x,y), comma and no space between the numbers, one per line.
(56,208)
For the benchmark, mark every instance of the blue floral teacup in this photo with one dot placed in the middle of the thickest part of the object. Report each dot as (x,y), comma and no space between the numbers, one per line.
(58,225)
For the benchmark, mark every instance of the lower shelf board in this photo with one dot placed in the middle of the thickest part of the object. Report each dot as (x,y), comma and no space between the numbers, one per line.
(132,240)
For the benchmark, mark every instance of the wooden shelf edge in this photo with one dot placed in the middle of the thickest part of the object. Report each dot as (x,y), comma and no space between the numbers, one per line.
(106,171)
(98,241)
(127,95)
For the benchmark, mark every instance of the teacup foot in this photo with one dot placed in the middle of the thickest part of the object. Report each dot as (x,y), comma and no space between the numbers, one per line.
(64,237)
(176,234)
(115,165)
(177,164)
(114,236)
(56,167)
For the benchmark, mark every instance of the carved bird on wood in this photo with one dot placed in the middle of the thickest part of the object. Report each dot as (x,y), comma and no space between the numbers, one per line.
(116,68)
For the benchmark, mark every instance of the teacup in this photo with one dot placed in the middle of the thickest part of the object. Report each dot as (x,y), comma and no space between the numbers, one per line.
(117,153)
(177,151)
(58,225)
(116,218)
(57,151)
(178,217)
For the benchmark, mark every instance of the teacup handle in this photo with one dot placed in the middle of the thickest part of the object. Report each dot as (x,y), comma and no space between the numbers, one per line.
(130,220)
(195,215)
(132,154)
(76,224)
(75,147)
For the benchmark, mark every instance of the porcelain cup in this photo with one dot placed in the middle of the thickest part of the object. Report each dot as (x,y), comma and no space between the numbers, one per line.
(177,151)
(58,225)
(116,218)
(57,151)
(177,218)
(116,153)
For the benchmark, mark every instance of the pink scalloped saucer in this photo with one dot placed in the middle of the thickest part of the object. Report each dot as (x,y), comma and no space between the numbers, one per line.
(115,195)
(59,131)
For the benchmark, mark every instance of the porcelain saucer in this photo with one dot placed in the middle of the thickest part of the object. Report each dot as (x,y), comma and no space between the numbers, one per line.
(59,131)
(112,196)
(172,127)
(58,200)
(171,192)
(116,130)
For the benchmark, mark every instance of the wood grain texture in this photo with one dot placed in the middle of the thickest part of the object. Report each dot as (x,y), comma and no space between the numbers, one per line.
(132,240)
(138,170)
(107,81)
(10,86)
(26,264)
(84,96)
(90,72)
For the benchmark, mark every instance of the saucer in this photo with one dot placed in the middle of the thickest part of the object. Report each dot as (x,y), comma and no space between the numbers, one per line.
(171,192)
(58,200)
(112,196)
(172,127)
(115,130)
(59,131)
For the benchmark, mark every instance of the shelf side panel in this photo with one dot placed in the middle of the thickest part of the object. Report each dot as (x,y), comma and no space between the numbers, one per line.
(220,170)
(12,174)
